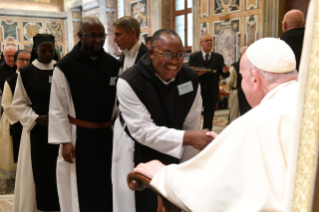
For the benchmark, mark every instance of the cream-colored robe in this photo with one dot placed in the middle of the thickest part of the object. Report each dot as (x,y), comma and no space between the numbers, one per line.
(233,97)
(245,167)
(9,117)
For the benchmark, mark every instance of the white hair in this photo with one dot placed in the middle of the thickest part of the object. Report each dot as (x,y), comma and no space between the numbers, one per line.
(9,47)
(271,78)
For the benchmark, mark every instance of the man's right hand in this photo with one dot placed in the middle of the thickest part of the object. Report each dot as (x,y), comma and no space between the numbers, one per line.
(43,120)
(68,152)
(200,73)
(198,139)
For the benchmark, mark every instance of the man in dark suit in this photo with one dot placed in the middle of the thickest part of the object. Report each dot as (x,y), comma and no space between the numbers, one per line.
(293,27)
(209,81)
(127,33)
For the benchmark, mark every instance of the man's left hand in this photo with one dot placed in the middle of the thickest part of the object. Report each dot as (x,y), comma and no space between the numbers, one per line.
(149,169)
(225,69)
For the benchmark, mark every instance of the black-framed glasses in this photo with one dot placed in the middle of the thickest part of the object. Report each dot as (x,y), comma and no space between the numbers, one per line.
(168,56)
(94,36)
(24,60)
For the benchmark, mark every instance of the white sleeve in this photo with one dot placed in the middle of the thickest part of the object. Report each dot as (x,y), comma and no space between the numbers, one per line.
(21,104)
(192,123)
(141,126)
(7,104)
(59,124)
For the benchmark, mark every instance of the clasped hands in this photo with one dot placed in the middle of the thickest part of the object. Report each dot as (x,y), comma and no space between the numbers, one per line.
(198,139)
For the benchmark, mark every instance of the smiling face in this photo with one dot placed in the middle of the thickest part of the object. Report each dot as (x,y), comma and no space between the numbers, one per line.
(9,55)
(166,70)
(92,45)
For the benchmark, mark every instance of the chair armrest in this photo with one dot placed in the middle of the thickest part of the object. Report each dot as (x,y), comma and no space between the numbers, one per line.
(139,182)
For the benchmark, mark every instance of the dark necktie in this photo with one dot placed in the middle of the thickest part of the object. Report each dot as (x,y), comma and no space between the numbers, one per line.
(206,59)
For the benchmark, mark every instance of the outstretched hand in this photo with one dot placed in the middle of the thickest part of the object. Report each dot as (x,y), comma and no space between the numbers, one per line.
(198,139)
(149,169)
(43,120)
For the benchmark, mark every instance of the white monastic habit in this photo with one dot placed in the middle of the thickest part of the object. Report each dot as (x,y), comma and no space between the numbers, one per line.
(66,172)
(245,167)
(9,118)
(233,98)
(142,127)
(24,192)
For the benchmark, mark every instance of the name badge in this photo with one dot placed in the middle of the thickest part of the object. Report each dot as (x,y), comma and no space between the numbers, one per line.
(185,88)
(112,81)
(50,79)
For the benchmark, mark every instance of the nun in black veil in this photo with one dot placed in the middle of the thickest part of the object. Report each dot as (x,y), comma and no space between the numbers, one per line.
(36,187)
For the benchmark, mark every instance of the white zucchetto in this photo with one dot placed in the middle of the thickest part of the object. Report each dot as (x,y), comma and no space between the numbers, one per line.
(272,55)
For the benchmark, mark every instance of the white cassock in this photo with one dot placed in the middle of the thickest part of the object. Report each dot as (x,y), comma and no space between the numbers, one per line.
(24,192)
(62,131)
(9,118)
(233,97)
(245,167)
(142,128)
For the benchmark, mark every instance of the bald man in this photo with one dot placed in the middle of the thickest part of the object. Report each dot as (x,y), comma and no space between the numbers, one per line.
(80,119)
(8,67)
(293,28)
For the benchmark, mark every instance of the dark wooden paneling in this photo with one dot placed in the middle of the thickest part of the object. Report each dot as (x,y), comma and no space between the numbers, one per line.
(299,5)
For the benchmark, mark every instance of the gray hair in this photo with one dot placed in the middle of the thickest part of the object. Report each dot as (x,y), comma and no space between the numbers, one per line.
(129,23)
(271,78)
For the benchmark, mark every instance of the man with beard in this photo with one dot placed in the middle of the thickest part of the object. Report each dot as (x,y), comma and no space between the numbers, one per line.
(80,118)
(127,33)
(160,106)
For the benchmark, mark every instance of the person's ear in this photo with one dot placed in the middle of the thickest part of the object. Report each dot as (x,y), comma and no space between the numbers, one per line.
(303,24)
(256,80)
(35,51)
(133,33)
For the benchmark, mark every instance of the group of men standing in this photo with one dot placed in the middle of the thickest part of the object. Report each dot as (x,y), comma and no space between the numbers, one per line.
(156,101)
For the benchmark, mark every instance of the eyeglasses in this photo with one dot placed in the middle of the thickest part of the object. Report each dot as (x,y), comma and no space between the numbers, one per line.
(9,56)
(94,36)
(24,60)
(168,56)
(207,41)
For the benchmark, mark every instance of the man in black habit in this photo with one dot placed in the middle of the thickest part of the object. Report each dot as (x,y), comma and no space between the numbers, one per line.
(293,28)
(81,107)
(160,108)
(7,68)
(209,81)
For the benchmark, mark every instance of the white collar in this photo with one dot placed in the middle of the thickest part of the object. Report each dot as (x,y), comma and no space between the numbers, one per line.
(204,54)
(273,92)
(42,66)
(166,83)
(134,49)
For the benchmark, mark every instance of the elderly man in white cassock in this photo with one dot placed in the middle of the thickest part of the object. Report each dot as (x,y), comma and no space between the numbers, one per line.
(245,167)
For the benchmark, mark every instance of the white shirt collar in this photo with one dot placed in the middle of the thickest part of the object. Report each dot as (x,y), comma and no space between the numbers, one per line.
(204,54)
(42,66)
(273,92)
(166,83)
(134,49)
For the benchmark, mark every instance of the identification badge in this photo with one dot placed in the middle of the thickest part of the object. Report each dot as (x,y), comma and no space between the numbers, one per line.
(185,88)
(50,79)
(112,81)
(215,71)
